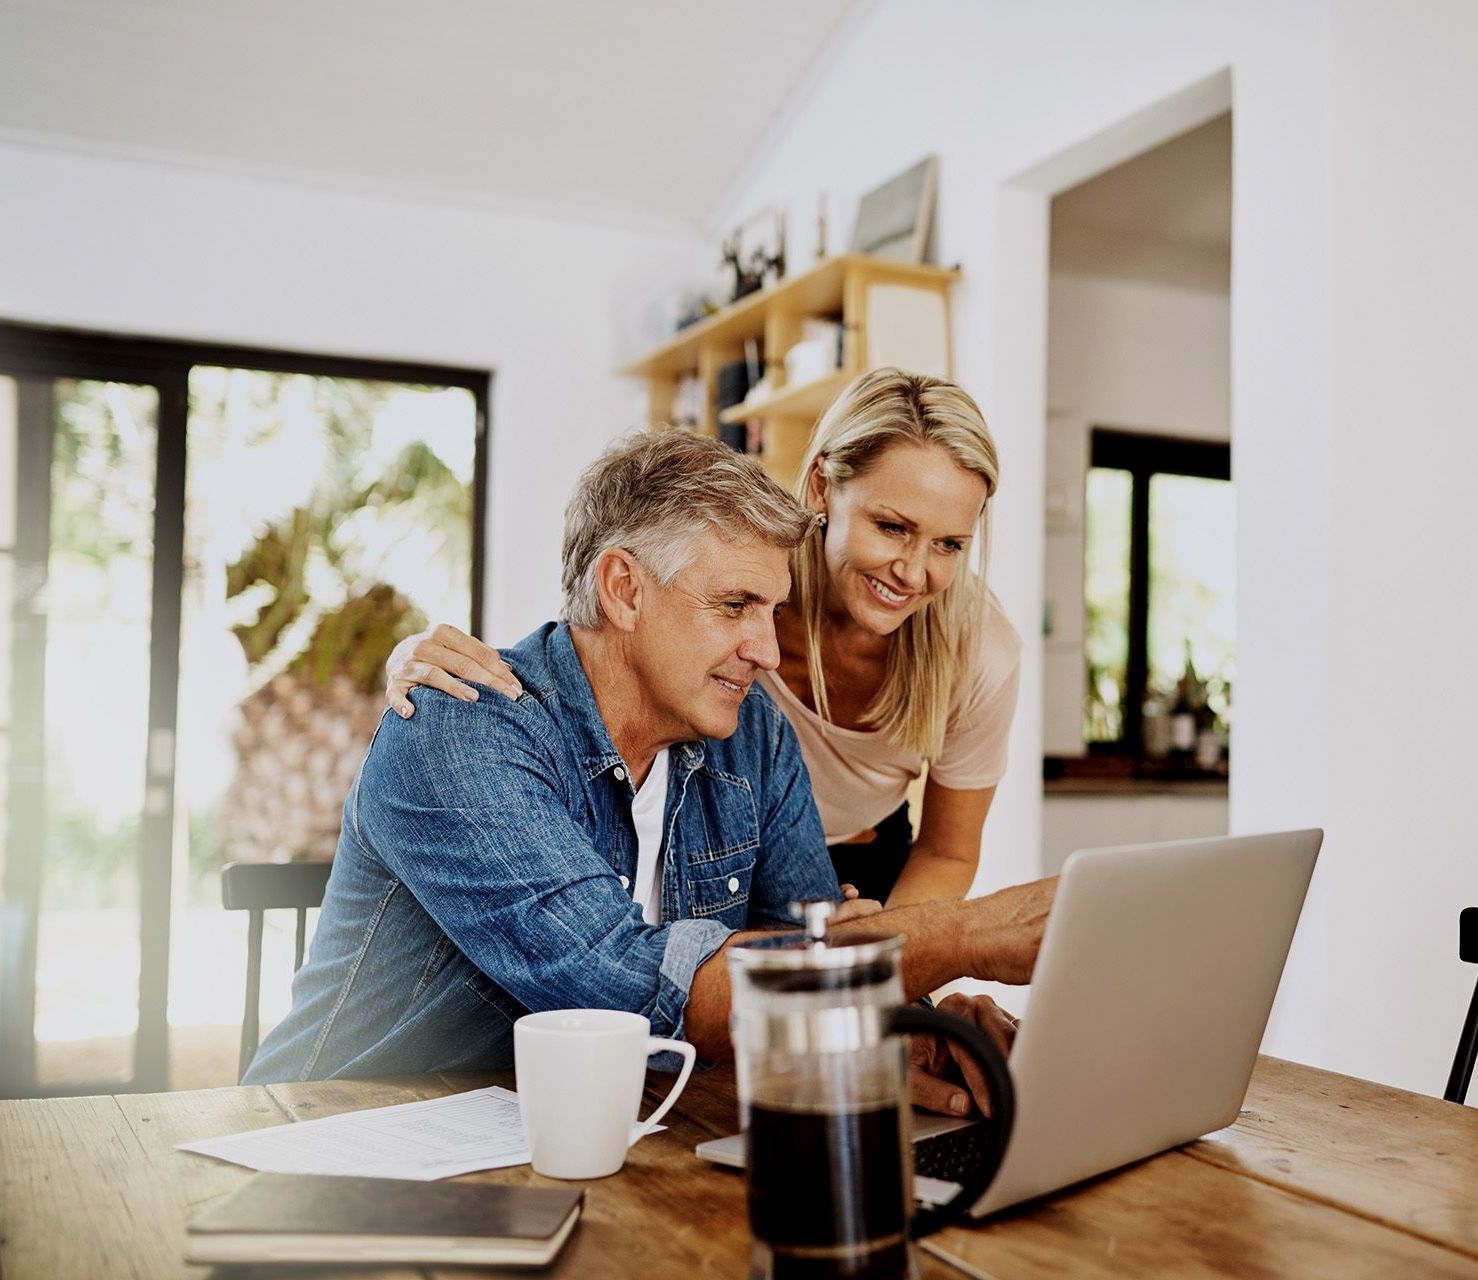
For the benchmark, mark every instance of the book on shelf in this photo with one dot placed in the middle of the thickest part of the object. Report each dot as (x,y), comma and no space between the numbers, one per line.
(298,1218)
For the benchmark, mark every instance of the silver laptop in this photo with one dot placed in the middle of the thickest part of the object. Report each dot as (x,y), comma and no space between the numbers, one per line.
(1149,1000)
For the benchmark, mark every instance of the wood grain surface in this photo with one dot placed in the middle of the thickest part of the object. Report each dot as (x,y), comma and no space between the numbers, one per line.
(1321,1176)
(1398,1158)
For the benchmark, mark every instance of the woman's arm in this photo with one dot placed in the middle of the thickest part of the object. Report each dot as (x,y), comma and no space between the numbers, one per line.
(943,860)
(436,658)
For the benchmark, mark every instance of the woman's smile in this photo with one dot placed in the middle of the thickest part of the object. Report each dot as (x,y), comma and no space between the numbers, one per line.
(886,595)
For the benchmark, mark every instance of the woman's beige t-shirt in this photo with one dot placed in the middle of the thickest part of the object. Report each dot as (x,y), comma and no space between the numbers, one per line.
(859,777)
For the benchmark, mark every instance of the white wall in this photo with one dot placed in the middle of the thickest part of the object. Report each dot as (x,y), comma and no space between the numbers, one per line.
(1404,259)
(1353,323)
(1093,821)
(1144,357)
(551,308)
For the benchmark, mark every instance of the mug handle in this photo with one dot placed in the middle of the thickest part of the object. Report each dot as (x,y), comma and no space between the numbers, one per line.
(656,1044)
(912,1019)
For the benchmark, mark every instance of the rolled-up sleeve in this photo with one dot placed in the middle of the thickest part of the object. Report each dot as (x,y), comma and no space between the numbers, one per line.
(466,804)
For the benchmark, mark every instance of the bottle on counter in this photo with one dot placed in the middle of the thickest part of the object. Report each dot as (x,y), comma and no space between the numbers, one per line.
(1155,718)
(1208,741)
(1183,711)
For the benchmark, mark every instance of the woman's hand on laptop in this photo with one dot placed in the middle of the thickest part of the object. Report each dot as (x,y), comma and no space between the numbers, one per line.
(1005,930)
(943,1076)
(436,658)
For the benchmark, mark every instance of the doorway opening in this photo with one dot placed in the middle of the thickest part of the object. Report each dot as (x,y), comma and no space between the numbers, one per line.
(1139,576)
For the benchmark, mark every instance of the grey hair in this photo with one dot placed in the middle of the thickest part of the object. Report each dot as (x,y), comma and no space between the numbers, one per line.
(652,494)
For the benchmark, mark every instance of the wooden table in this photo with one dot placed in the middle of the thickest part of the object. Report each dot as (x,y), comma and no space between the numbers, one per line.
(1322,1175)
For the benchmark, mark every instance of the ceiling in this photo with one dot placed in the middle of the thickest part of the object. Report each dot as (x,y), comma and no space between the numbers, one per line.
(635,112)
(1165,215)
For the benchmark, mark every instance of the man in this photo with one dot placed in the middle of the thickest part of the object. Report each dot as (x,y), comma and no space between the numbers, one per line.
(599,841)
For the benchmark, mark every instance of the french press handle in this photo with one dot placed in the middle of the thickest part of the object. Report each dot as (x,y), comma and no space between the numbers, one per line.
(911,1019)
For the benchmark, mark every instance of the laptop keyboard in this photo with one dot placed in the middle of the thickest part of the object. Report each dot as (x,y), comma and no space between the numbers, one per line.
(952,1156)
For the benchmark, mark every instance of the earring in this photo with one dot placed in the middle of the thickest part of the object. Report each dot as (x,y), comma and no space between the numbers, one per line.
(821,521)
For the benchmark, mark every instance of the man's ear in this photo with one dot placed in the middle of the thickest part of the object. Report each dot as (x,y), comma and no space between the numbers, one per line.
(619,583)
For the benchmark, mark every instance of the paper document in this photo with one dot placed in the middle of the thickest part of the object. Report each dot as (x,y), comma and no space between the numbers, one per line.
(439,1138)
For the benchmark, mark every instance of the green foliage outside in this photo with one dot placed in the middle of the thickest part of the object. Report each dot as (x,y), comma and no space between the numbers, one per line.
(355,637)
(309,587)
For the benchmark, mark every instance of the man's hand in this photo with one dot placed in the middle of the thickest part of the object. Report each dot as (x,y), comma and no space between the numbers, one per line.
(1006,930)
(943,1076)
(436,658)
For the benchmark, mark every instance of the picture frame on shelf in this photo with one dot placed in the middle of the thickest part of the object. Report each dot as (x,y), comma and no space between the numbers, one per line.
(894,219)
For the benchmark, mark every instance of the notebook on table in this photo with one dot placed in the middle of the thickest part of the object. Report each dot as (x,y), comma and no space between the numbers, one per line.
(1148,1004)
(285,1217)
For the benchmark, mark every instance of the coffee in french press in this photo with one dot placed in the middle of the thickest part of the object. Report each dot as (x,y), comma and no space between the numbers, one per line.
(820,1038)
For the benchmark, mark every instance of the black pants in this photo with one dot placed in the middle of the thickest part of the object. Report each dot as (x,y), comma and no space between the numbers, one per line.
(874,867)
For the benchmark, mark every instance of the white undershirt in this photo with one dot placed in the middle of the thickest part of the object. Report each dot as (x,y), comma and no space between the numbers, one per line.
(648,808)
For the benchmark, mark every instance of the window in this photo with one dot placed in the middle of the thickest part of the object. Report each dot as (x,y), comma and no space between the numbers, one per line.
(207,553)
(1159,590)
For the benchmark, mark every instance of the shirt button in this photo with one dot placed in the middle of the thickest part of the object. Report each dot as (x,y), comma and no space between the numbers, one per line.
(733,884)
(625,883)
(620,773)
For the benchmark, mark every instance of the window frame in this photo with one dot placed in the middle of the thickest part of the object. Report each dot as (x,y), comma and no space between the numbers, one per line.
(1144,455)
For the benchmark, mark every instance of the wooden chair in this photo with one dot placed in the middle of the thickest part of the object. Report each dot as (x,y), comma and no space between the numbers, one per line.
(259,887)
(1467,1045)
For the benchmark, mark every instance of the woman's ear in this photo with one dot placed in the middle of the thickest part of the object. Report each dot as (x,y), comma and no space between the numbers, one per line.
(816,485)
(618,587)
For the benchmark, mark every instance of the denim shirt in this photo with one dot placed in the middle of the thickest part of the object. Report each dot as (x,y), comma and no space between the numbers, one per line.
(483,868)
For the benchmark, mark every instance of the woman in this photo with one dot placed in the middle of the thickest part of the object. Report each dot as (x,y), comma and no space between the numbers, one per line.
(893,651)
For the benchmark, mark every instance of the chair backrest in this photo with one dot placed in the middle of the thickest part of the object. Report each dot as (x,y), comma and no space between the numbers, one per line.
(258,887)
(1467,1046)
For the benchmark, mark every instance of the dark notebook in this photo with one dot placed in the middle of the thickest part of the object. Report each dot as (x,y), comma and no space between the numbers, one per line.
(284,1217)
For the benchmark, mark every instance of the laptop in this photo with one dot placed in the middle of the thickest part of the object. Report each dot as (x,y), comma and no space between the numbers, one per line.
(1148,1004)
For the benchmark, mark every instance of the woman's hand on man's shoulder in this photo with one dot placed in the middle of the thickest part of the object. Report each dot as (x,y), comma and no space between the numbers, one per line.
(442,658)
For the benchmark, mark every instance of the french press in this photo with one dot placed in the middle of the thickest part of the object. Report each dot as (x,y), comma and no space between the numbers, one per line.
(820,1033)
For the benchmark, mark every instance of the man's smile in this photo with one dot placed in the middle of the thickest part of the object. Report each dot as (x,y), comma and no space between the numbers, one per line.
(734,688)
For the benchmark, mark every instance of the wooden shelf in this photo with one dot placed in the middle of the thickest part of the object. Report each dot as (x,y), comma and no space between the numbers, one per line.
(809,399)
(841,288)
(818,291)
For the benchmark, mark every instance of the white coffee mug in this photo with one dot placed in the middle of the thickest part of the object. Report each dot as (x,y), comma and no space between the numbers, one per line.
(580,1077)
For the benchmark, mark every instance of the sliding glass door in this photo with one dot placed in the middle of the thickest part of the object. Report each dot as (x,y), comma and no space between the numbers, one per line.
(299,515)
(325,519)
(87,811)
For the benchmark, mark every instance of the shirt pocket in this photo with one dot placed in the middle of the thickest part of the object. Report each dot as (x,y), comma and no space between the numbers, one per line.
(719,888)
(718,838)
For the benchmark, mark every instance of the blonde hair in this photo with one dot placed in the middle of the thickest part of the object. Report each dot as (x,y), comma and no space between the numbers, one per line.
(652,493)
(934,650)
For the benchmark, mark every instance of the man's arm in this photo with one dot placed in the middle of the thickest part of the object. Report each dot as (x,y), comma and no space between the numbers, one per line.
(465,805)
